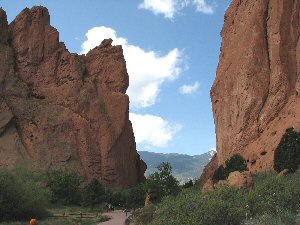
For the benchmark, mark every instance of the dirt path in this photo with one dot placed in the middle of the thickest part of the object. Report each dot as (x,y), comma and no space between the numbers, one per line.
(118,217)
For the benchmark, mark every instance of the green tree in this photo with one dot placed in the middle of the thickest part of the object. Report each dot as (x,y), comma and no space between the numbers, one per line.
(162,182)
(287,154)
(21,196)
(64,186)
(93,193)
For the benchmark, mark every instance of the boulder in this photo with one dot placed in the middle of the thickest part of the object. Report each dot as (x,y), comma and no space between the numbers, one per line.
(283,173)
(221,183)
(240,179)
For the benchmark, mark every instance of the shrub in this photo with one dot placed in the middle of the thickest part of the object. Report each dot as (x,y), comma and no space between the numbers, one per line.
(219,174)
(286,218)
(230,206)
(273,194)
(64,186)
(116,197)
(21,197)
(235,163)
(188,184)
(224,206)
(133,197)
(93,193)
(287,154)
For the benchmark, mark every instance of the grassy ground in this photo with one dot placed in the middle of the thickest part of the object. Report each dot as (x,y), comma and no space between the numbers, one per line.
(69,216)
(61,221)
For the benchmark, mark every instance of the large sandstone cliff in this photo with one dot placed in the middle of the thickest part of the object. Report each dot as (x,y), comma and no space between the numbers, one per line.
(256,93)
(60,110)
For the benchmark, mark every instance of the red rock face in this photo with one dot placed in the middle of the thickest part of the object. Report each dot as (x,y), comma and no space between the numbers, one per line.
(59,110)
(256,94)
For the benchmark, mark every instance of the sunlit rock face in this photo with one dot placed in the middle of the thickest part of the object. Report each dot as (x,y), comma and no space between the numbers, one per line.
(60,110)
(256,93)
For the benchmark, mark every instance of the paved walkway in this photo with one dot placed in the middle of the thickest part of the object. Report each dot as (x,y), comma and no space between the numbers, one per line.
(118,217)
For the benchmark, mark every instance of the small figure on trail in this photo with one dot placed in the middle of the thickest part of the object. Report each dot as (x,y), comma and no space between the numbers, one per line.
(109,207)
(125,211)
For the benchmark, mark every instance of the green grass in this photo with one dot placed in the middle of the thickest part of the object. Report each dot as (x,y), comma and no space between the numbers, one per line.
(69,215)
(61,221)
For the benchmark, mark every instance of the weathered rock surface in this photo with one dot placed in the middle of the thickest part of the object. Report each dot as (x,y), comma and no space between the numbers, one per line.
(209,170)
(208,186)
(240,179)
(60,110)
(256,93)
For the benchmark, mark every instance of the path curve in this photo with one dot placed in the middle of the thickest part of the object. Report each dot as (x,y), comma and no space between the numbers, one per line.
(118,217)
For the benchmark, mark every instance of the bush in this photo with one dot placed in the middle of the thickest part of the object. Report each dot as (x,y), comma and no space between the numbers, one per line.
(230,206)
(130,198)
(188,184)
(219,174)
(93,193)
(287,154)
(273,194)
(286,218)
(64,186)
(224,206)
(21,197)
(235,163)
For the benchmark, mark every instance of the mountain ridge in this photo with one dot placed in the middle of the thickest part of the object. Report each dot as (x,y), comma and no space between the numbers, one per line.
(185,167)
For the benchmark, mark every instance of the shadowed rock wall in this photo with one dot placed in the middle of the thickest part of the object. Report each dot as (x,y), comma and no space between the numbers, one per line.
(60,110)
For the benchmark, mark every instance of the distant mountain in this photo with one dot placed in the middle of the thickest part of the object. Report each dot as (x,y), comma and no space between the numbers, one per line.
(185,167)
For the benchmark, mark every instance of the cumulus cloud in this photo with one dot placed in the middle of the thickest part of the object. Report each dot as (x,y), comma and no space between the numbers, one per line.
(189,89)
(169,8)
(203,7)
(147,70)
(153,130)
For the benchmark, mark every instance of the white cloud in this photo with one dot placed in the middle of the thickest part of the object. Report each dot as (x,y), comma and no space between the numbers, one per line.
(172,7)
(167,7)
(203,6)
(147,69)
(189,89)
(153,130)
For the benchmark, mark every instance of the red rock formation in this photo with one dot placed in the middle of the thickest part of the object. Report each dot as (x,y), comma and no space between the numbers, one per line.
(61,110)
(240,179)
(256,94)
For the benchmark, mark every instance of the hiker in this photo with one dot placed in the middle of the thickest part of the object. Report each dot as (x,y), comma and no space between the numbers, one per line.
(125,210)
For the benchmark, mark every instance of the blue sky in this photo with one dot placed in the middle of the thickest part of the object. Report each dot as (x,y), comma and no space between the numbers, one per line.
(171,48)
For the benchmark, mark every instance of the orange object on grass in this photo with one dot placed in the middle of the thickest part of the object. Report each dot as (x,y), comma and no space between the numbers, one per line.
(33,222)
